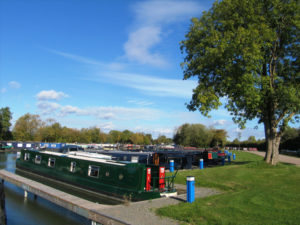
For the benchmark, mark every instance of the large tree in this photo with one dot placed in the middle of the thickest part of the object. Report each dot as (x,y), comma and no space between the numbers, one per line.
(195,135)
(27,127)
(5,118)
(246,52)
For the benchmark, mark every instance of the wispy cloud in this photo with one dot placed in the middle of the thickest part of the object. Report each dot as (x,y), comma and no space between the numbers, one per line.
(50,95)
(150,18)
(139,43)
(167,131)
(100,112)
(159,12)
(14,84)
(140,102)
(47,108)
(149,84)
(220,122)
(108,66)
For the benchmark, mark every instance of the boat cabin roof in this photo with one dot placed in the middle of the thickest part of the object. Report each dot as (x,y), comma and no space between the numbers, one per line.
(94,157)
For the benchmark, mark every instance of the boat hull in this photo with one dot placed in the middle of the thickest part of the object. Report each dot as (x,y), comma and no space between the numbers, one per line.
(120,180)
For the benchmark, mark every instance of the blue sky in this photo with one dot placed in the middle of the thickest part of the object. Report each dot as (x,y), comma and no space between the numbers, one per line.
(109,64)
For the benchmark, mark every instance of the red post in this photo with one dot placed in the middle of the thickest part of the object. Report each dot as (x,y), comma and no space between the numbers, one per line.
(148,179)
(209,155)
(161,177)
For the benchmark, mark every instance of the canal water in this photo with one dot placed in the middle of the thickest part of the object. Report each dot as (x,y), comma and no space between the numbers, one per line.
(37,211)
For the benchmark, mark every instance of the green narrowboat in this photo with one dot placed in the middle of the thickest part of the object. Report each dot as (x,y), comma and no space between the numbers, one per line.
(128,180)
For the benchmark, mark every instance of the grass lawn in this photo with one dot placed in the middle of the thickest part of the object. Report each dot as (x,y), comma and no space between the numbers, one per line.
(253,193)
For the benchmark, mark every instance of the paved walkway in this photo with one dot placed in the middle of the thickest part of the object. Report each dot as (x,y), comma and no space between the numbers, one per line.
(282,158)
(143,213)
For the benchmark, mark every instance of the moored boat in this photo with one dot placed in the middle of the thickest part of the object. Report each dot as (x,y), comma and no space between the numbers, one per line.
(100,174)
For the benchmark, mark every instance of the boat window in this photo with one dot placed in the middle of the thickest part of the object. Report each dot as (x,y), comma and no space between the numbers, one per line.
(73,167)
(27,156)
(93,171)
(73,149)
(38,159)
(124,157)
(51,162)
(107,174)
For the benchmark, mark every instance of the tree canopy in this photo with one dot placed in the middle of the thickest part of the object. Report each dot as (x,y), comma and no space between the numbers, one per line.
(246,52)
(26,127)
(198,135)
(5,118)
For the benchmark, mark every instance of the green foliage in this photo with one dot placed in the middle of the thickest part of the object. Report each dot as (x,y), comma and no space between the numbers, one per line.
(248,195)
(31,128)
(162,139)
(291,139)
(5,118)
(26,127)
(197,135)
(247,52)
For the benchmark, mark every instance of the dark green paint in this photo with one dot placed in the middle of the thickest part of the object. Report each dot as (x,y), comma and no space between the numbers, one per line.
(131,185)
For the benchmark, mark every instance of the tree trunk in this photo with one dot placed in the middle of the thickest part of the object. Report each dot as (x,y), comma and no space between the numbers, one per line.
(273,141)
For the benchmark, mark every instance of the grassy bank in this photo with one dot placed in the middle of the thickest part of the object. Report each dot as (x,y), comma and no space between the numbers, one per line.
(254,193)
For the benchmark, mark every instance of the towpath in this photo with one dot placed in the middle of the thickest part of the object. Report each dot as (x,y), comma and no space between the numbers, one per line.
(143,213)
(282,158)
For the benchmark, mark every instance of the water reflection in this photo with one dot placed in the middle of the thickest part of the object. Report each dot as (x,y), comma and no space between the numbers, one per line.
(33,211)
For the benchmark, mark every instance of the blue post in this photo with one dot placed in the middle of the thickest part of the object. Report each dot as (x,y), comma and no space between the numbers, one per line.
(223,160)
(226,152)
(229,158)
(171,166)
(201,164)
(233,157)
(190,189)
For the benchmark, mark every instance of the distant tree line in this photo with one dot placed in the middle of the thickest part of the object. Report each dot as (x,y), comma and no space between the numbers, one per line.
(198,135)
(251,142)
(290,140)
(30,127)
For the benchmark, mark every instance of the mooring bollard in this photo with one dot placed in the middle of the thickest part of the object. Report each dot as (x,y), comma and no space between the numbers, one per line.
(233,156)
(201,164)
(223,160)
(190,189)
(229,158)
(171,166)
(25,194)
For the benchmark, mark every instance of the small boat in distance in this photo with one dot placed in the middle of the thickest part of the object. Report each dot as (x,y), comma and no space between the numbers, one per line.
(99,173)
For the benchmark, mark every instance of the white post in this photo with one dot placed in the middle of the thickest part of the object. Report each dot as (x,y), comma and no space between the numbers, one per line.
(25,194)
(94,223)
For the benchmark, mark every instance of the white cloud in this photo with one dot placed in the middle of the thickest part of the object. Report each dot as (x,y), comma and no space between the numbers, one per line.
(138,46)
(100,112)
(14,84)
(155,132)
(75,57)
(150,17)
(47,107)
(107,126)
(140,102)
(168,11)
(51,95)
(219,122)
(124,113)
(68,109)
(149,84)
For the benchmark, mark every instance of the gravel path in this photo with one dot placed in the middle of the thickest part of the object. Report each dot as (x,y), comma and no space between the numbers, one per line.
(282,158)
(142,213)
